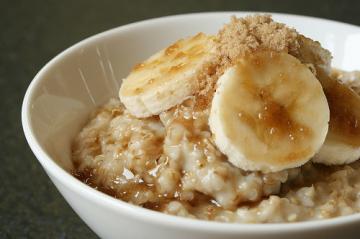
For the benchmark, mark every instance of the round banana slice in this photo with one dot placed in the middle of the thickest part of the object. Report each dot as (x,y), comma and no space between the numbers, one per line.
(166,78)
(342,143)
(269,113)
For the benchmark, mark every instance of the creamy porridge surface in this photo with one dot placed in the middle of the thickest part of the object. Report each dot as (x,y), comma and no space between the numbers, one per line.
(170,163)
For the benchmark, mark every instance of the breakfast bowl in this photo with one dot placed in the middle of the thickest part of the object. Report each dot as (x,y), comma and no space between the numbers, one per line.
(62,95)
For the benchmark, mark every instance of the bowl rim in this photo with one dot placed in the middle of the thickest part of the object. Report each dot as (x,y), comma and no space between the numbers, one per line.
(143,214)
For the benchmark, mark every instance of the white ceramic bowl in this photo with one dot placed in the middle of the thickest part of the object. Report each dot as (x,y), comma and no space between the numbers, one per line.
(86,75)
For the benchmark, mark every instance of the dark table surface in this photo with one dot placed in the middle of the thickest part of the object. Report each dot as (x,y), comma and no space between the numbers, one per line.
(31,33)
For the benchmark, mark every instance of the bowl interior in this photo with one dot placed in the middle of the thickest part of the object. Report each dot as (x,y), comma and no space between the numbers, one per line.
(69,87)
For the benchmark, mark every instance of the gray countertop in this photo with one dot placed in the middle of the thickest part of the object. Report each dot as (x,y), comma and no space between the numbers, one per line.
(32,32)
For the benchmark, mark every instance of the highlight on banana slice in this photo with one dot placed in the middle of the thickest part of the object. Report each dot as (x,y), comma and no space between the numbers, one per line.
(229,127)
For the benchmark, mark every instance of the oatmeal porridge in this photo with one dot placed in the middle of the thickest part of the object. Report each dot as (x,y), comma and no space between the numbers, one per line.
(168,149)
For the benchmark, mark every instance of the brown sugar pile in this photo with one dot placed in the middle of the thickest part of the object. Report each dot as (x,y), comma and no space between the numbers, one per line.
(259,32)
(240,37)
(243,36)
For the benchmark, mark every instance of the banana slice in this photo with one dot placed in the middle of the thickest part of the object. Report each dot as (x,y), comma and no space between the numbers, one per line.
(166,78)
(342,144)
(311,52)
(269,113)
(349,78)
